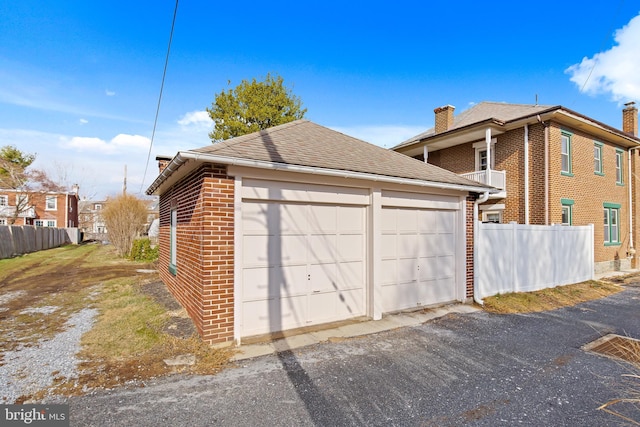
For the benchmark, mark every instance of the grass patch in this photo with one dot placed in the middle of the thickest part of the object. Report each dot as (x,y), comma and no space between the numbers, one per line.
(626,407)
(549,299)
(42,290)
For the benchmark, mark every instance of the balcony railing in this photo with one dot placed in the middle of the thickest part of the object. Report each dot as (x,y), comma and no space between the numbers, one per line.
(497,179)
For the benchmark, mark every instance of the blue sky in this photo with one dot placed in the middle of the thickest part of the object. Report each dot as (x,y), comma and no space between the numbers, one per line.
(79,81)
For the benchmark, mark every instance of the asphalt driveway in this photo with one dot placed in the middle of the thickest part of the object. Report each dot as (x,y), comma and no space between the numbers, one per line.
(466,369)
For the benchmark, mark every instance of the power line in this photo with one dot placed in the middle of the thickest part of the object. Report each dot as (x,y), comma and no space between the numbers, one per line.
(164,74)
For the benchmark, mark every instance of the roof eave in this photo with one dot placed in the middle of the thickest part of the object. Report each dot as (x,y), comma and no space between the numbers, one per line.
(176,166)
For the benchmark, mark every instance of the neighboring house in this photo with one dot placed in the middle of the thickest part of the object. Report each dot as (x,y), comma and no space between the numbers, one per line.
(300,225)
(42,209)
(91,220)
(153,213)
(552,165)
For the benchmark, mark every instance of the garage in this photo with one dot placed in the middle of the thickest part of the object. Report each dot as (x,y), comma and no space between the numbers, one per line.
(298,226)
(303,263)
(418,257)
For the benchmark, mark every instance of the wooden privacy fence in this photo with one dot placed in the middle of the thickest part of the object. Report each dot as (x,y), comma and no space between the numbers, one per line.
(18,240)
(524,258)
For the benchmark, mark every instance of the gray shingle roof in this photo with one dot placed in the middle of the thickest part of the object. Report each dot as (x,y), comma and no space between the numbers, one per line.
(304,143)
(483,111)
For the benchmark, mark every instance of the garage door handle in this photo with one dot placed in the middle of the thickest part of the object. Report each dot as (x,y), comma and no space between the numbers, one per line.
(316,292)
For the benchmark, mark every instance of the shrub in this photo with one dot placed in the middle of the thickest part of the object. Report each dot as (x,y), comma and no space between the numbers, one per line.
(141,250)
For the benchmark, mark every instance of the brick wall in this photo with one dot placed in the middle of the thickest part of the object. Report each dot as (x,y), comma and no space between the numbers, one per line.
(203,283)
(469,232)
(588,190)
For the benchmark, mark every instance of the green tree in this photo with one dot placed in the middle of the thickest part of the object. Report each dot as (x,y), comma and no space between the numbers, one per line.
(252,106)
(13,167)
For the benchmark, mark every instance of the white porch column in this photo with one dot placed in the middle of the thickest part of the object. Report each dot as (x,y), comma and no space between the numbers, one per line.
(487,139)
(425,151)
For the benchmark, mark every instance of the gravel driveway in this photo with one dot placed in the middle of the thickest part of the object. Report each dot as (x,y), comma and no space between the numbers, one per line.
(475,369)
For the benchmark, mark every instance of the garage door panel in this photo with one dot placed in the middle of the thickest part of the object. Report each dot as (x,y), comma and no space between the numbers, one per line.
(429,268)
(407,220)
(447,266)
(419,261)
(255,251)
(389,246)
(398,297)
(323,219)
(446,221)
(407,269)
(350,219)
(293,218)
(290,250)
(324,307)
(322,248)
(274,314)
(350,247)
(260,283)
(407,245)
(350,275)
(389,221)
(446,243)
(429,244)
(389,272)
(254,220)
(323,277)
(427,221)
(303,262)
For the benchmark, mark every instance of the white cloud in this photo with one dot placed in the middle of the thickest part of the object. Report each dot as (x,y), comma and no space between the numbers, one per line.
(84,121)
(199,119)
(386,136)
(121,143)
(109,92)
(614,71)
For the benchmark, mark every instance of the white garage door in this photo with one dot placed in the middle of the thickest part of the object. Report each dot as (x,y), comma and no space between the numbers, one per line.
(418,257)
(303,264)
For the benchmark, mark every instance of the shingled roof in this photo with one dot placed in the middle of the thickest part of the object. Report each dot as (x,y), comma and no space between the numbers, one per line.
(482,111)
(305,143)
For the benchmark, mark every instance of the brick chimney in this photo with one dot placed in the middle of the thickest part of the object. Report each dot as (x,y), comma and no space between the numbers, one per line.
(163,161)
(630,119)
(444,118)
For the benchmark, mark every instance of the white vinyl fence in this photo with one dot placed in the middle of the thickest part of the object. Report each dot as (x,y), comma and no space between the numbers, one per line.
(523,258)
(18,240)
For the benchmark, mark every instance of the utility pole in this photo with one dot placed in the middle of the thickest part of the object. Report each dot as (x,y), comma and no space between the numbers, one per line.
(124,186)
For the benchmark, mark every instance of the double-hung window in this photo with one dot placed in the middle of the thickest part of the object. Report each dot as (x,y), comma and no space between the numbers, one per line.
(565,153)
(173,235)
(51,203)
(619,167)
(567,211)
(611,224)
(4,200)
(597,158)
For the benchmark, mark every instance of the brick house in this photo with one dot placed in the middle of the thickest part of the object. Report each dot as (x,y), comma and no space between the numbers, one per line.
(552,165)
(299,225)
(42,209)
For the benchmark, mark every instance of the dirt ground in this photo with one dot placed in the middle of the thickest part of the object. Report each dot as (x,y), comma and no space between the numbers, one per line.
(40,292)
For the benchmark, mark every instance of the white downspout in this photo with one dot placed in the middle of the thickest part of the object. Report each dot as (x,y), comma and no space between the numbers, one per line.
(487,138)
(526,174)
(632,250)
(482,199)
